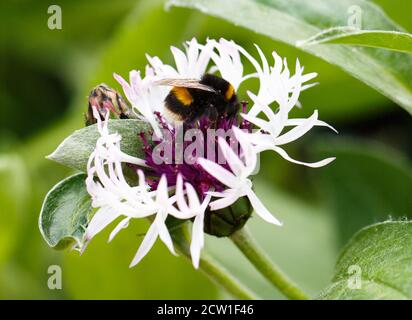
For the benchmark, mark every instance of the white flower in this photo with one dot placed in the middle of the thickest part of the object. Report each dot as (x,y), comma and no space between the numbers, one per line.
(144,95)
(228,62)
(276,84)
(114,197)
(162,205)
(271,136)
(237,181)
(193,208)
(110,193)
(189,65)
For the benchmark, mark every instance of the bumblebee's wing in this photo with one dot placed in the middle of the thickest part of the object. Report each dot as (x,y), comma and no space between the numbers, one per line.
(184,83)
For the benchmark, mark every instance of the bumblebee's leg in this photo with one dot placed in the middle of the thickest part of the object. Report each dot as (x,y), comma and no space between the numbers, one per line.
(212,113)
(191,117)
(232,110)
(89,116)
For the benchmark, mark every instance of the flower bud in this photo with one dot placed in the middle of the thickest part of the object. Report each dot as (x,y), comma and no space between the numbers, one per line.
(226,221)
(106,99)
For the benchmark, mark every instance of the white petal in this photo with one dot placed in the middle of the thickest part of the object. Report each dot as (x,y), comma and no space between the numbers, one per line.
(248,151)
(122,224)
(183,215)
(305,78)
(163,232)
(298,122)
(260,209)
(228,62)
(199,57)
(205,203)
(227,200)
(102,218)
(147,243)
(180,198)
(231,157)
(180,61)
(216,194)
(262,124)
(318,164)
(192,51)
(263,59)
(161,69)
(220,173)
(192,196)
(261,106)
(298,131)
(126,87)
(129,159)
(252,60)
(162,194)
(142,180)
(197,239)
(308,86)
(277,68)
(297,87)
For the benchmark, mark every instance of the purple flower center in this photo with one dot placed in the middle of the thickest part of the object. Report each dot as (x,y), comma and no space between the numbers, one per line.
(191,171)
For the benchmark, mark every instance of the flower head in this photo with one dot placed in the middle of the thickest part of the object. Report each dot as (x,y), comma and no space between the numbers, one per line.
(200,167)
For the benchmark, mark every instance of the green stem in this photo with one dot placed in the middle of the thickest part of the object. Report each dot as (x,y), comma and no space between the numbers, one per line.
(245,242)
(216,272)
(220,276)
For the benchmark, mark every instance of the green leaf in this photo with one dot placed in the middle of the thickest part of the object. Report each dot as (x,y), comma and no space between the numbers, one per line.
(366,183)
(391,40)
(75,150)
(376,264)
(65,213)
(291,21)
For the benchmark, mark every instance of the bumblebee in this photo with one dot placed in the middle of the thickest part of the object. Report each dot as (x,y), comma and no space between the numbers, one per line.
(106,99)
(211,96)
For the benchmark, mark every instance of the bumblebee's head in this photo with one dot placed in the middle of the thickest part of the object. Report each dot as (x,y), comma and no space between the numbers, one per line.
(225,94)
(221,86)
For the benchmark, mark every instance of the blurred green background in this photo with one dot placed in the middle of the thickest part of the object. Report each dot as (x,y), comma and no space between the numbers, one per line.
(45,76)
